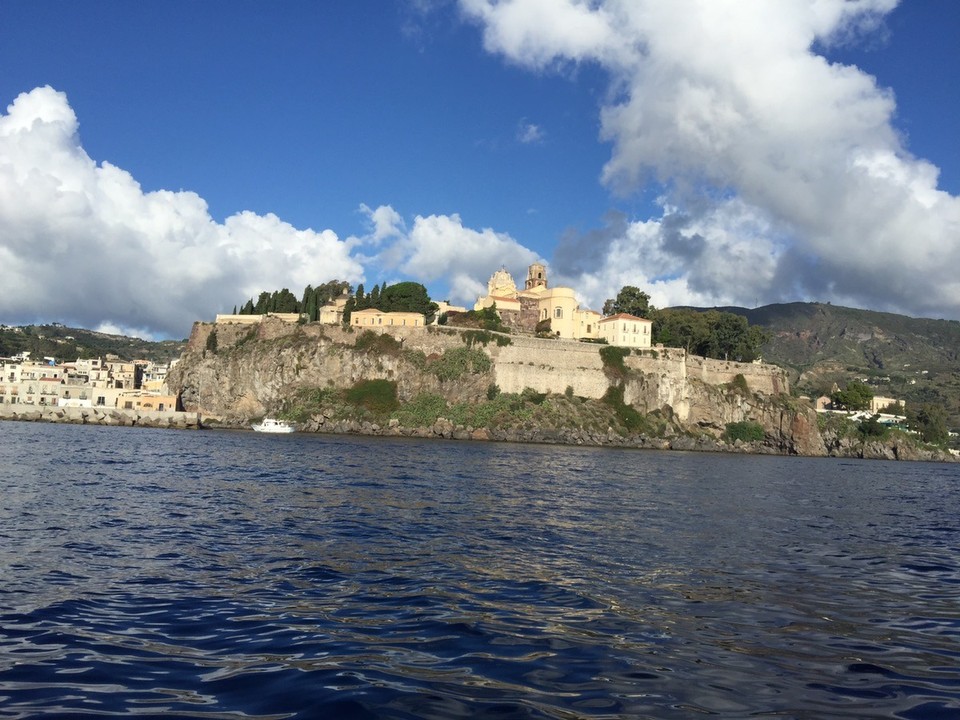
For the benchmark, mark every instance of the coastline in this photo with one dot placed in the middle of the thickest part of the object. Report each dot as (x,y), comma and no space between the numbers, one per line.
(102,416)
(445,430)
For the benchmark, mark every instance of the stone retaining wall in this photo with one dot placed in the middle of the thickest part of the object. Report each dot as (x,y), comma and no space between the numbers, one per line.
(101,416)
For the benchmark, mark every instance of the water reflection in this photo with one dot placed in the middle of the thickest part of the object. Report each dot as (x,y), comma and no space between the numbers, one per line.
(218,574)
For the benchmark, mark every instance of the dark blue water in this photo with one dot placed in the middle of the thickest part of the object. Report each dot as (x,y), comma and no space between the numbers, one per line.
(236,575)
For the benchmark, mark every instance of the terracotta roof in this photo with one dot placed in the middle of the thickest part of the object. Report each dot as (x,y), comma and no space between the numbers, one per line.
(625,316)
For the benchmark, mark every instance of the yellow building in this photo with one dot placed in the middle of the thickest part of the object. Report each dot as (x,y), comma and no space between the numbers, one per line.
(332,312)
(626,330)
(372,318)
(538,303)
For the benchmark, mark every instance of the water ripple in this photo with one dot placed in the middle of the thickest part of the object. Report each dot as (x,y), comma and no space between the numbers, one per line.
(223,575)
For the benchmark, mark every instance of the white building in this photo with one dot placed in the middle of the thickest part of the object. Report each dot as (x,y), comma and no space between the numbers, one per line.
(626,330)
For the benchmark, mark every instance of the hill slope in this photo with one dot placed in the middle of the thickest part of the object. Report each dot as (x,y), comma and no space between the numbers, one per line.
(66,344)
(914,359)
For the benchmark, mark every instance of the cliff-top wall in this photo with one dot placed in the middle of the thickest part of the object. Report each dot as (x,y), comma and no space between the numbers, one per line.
(319,355)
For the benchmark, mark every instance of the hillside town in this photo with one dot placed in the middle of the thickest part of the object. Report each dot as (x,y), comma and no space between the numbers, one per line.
(85,383)
(536,309)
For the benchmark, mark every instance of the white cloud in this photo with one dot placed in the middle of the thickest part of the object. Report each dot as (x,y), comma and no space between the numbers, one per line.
(385,223)
(440,250)
(529,133)
(727,104)
(82,243)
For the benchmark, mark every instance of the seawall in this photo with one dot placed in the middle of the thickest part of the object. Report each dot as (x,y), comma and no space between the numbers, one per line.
(102,416)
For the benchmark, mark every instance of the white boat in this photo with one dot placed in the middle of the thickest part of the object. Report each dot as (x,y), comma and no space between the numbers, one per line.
(272,425)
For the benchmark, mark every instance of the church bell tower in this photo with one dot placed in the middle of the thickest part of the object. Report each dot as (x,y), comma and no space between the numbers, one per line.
(536,276)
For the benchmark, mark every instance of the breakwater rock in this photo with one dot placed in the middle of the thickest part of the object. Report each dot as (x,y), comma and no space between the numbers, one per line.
(102,416)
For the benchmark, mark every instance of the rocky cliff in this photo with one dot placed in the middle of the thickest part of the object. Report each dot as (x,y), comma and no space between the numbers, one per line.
(496,385)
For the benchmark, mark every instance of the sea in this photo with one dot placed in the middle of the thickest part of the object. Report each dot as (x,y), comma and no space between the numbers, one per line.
(218,574)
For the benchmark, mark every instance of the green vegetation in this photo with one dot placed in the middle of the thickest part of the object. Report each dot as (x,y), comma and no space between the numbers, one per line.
(456,363)
(894,408)
(211,344)
(376,396)
(65,343)
(629,418)
(284,301)
(930,422)
(712,334)
(855,396)
(630,300)
(916,360)
(400,297)
(373,399)
(612,357)
(378,344)
(485,319)
(872,428)
(745,431)
(484,337)
(739,384)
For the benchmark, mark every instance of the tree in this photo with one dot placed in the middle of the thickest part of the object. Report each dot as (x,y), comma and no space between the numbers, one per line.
(630,300)
(408,297)
(930,421)
(855,396)
(894,408)
(713,334)
(348,309)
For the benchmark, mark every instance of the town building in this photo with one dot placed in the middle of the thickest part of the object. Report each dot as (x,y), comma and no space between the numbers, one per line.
(371,317)
(538,308)
(86,382)
(627,330)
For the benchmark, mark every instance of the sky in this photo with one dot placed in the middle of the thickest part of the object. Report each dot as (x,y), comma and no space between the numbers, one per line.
(163,162)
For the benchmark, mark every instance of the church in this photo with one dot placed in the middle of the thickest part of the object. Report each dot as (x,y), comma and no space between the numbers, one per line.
(538,308)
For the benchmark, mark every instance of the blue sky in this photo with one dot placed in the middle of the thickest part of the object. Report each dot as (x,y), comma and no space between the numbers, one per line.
(193,153)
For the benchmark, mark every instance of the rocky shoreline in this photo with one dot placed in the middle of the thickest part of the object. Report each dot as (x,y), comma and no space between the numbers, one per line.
(841,447)
(444,429)
(103,416)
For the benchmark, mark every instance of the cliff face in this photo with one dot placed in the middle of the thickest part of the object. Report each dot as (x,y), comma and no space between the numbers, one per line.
(245,372)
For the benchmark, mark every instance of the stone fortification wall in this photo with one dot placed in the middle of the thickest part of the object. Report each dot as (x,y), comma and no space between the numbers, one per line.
(243,384)
(553,365)
(549,366)
(760,377)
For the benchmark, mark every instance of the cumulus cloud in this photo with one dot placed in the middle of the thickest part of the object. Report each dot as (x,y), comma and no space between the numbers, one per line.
(529,133)
(84,244)
(783,174)
(441,250)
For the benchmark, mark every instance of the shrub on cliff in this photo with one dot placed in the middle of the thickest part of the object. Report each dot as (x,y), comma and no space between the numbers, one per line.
(456,363)
(632,420)
(739,385)
(422,411)
(745,431)
(612,357)
(376,396)
(377,343)
(483,337)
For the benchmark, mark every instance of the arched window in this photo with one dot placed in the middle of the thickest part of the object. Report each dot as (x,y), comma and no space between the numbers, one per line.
(558,312)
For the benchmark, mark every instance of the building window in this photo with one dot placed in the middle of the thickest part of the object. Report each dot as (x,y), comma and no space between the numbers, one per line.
(558,312)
